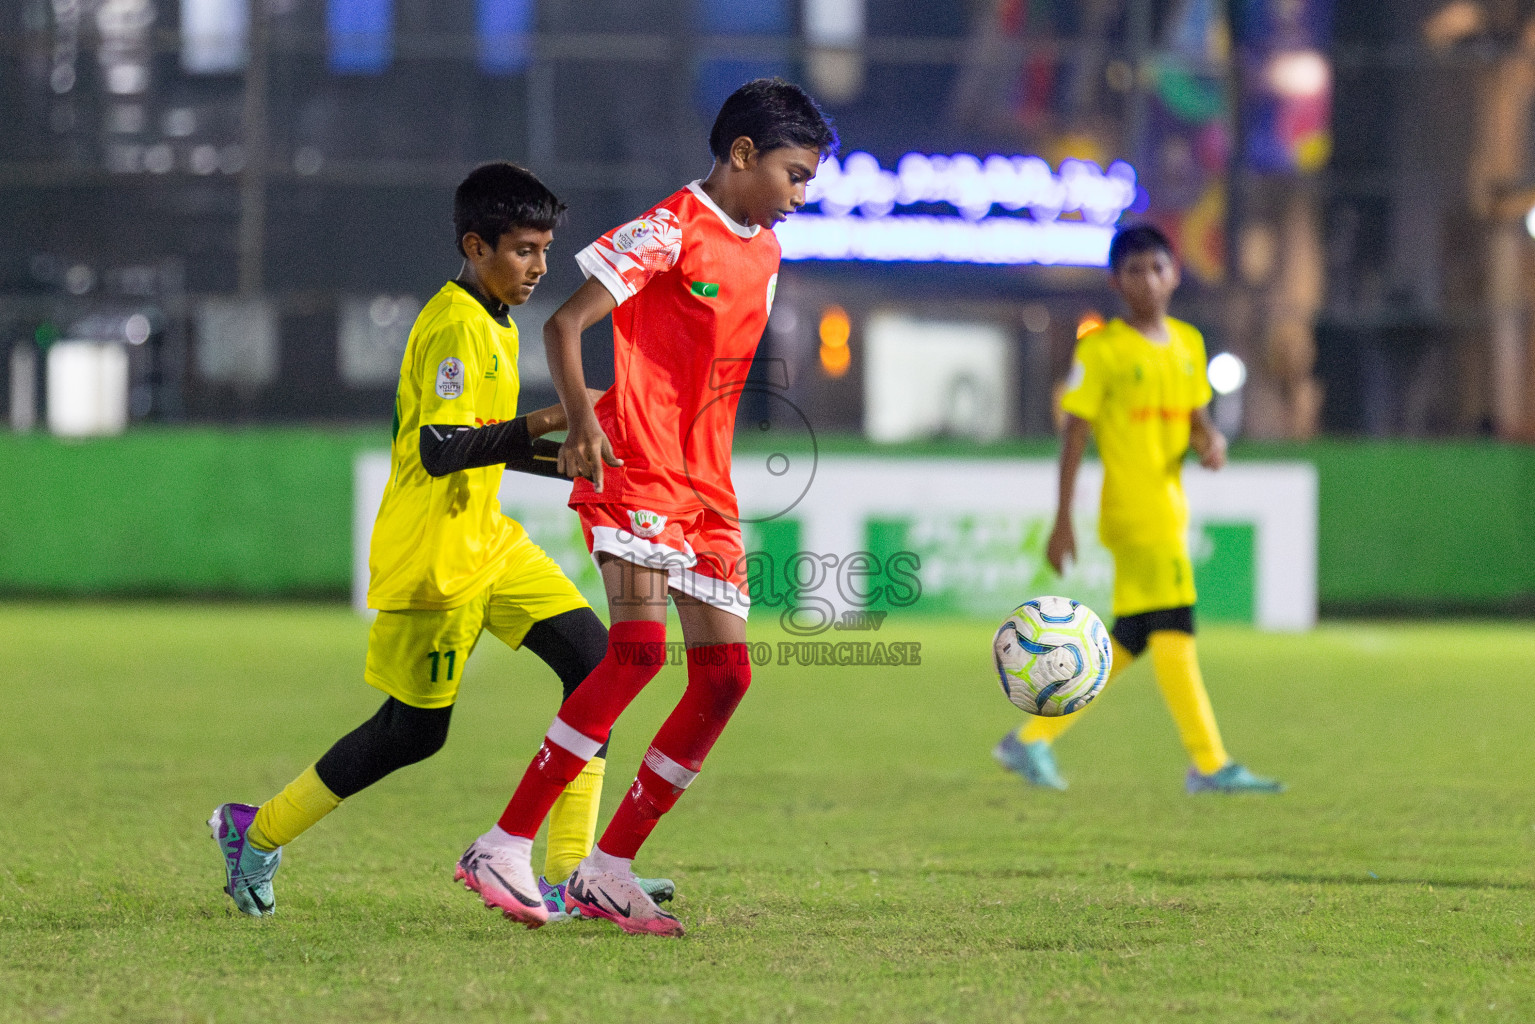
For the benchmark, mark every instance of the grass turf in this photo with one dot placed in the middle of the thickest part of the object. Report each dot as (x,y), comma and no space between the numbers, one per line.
(851,852)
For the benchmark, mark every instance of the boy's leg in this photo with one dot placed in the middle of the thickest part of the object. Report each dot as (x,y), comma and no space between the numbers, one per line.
(396,736)
(536,606)
(573,644)
(252,838)
(635,653)
(1177,668)
(1176,665)
(1155,584)
(719,673)
(498,865)
(712,604)
(417,658)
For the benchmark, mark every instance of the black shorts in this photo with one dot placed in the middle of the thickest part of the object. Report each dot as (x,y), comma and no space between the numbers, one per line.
(1134,631)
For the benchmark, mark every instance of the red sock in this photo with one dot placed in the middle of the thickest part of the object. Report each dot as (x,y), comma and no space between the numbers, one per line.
(636,652)
(718,676)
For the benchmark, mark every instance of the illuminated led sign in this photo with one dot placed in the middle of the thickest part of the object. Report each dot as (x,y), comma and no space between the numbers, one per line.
(852,211)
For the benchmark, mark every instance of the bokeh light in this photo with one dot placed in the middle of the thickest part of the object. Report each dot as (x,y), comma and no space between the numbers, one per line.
(1227,373)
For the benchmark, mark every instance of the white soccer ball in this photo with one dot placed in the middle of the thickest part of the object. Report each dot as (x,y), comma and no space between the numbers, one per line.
(1052,656)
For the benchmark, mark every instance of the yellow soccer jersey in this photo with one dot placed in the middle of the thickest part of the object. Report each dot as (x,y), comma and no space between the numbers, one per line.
(1138,394)
(439,541)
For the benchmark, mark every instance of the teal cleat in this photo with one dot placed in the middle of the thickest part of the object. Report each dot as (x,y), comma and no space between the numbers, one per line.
(1033,761)
(659,889)
(248,871)
(553,895)
(1233,778)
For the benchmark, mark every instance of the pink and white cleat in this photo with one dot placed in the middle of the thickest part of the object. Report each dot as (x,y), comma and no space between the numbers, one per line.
(503,877)
(617,896)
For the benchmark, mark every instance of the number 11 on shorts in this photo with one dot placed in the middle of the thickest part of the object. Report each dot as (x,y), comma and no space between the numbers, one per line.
(438,657)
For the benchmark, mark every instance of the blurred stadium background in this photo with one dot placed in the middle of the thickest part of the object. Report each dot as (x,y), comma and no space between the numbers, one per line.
(220,217)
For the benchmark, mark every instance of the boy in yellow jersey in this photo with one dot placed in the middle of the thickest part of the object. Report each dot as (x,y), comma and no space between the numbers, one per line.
(445,563)
(1138,385)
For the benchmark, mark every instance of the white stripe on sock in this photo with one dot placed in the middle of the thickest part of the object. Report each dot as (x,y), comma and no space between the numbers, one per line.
(566,737)
(668,769)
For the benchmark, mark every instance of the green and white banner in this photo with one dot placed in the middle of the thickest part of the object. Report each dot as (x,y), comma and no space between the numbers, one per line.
(836,536)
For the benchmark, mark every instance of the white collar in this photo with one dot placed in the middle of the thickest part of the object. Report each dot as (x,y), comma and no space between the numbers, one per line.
(697,188)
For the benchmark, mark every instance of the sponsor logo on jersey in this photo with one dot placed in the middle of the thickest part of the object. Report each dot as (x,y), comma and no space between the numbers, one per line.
(772,291)
(632,234)
(704,289)
(450,378)
(646,524)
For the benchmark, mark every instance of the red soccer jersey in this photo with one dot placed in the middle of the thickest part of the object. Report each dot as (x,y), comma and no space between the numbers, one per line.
(694,290)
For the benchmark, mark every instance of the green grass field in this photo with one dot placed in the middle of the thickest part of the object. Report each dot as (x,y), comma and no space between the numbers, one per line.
(851,853)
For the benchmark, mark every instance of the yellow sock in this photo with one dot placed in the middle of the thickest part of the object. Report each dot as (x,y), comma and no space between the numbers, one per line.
(1050,729)
(290,813)
(1183,688)
(573,822)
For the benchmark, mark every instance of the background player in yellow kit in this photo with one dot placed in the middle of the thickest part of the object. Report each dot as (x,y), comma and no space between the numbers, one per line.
(1138,385)
(445,563)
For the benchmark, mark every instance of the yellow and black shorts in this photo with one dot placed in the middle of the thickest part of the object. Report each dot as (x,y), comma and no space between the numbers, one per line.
(418,656)
(1151,578)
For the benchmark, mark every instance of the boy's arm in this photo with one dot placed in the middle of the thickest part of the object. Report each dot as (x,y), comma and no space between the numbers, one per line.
(1063,539)
(551,418)
(1206,439)
(586,448)
(448,448)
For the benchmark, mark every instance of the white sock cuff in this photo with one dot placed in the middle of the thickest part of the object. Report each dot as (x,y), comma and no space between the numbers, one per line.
(607,862)
(501,838)
(567,737)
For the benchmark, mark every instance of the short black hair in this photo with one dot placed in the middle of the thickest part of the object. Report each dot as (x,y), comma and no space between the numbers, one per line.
(498,197)
(773,114)
(1137,238)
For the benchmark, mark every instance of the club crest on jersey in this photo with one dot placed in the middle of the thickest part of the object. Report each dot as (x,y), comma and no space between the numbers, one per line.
(450,378)
(646,524)
(632,234)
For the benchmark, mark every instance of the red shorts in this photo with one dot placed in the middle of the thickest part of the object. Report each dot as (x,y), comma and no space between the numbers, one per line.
(701,551)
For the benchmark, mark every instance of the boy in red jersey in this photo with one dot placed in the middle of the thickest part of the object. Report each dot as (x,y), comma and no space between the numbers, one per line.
(689,285)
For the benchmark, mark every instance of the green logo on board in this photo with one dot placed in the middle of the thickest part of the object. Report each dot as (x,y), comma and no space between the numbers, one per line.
(704,289)
(972,562)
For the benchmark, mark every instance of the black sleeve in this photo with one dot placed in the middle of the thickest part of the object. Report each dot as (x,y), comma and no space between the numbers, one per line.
(447,449)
